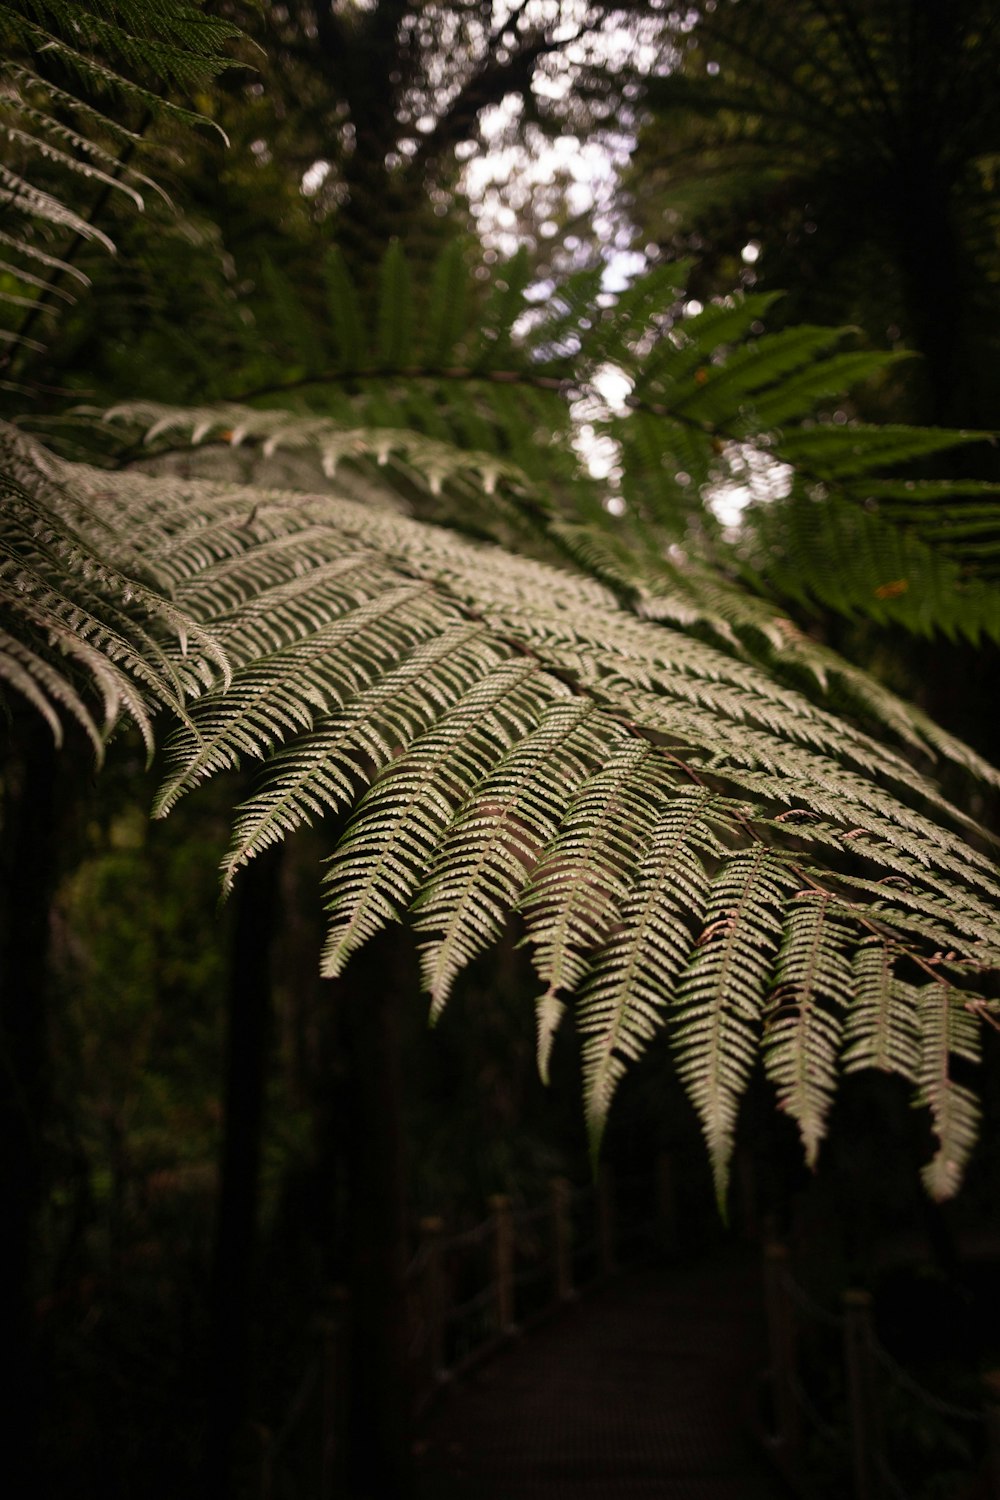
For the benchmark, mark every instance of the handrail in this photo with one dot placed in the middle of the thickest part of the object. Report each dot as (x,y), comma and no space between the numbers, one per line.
(865,1432)
(523,1248)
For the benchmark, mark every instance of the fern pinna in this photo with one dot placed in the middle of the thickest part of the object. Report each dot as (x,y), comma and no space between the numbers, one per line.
(695,850)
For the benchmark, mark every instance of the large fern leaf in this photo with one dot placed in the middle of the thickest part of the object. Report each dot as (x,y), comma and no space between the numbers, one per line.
(625,999)
(697,851)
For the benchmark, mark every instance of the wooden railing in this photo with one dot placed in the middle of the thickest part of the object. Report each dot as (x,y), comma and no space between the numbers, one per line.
(844,1414)
(474,1289)
(468,1292)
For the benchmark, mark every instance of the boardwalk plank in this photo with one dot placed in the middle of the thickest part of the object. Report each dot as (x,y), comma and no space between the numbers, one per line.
(639,1391)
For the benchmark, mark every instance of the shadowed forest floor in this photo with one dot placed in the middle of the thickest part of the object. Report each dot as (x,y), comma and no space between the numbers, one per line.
(642,1390)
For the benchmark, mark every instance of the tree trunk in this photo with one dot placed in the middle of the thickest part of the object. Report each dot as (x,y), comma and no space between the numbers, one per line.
(936,297)
(379,980)
(28,877)
(234,1252)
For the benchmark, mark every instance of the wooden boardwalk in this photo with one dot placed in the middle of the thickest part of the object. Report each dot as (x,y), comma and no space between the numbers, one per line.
(640,1390)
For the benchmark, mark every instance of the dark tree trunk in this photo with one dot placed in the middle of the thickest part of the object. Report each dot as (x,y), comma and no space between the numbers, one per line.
(379,981)
(235,1247)
(28,877)
(938,286)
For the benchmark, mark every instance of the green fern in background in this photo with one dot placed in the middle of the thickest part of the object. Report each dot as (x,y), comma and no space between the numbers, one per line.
(79,82)
(834,512)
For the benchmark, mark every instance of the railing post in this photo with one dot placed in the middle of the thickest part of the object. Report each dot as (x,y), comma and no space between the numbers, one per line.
(991,1412)
(781,1345)
(562,1239)
(503,1260)
(605,1191)
(861,1393)
(334,1334)
(435,1294)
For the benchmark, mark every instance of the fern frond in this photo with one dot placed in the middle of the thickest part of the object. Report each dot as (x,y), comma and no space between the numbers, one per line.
(427,461)
(324,770)
(576,892)
(74,610)
(388,849)
(883,1029)
(627,996)
(715,389)
(506,736)
(805,1015)
(716,403)
(34,203)
(497,838)
(189,63)
(281,692)
(904,905)
(834,552)
(32,85)
(709,394)
(46,688)
(42,258)
(721,995)
(119,52)
(110,173)
(948,1029)
(684,592)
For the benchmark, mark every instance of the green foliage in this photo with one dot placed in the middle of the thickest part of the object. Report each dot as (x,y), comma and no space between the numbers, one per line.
(854,141)
(722,405)
(836,512)
(79,83)
(616,749)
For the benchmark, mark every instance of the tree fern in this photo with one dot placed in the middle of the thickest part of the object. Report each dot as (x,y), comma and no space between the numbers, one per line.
(695,847)
(430,463)
(73,613)
(624,1001)
(567,909)
(682,589)
(323,769)
(948,1032)
(390,844)
(497,837)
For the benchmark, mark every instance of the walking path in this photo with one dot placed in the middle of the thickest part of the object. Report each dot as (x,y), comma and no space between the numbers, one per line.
(641,1390)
